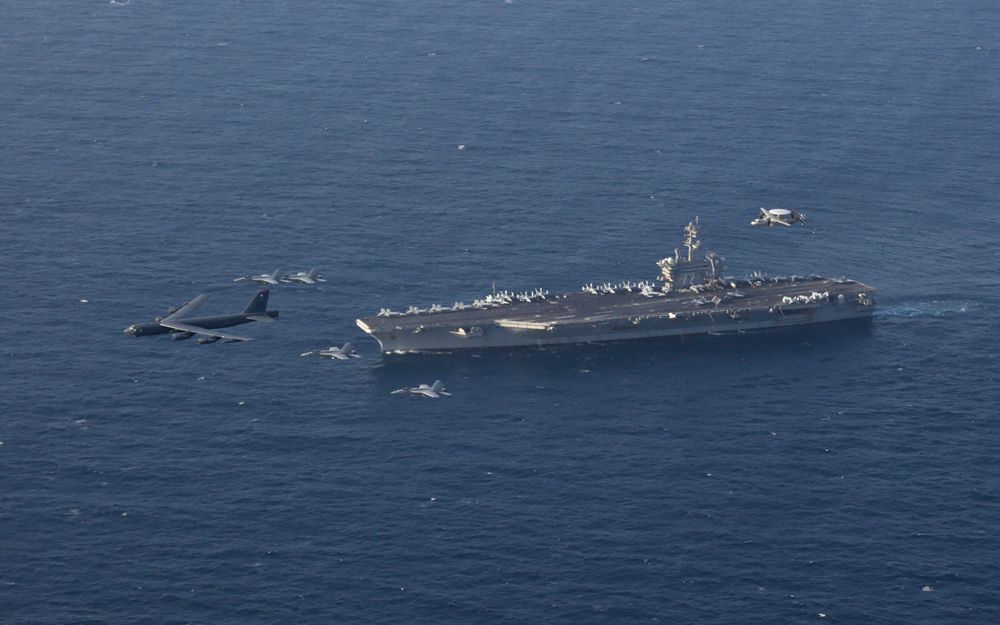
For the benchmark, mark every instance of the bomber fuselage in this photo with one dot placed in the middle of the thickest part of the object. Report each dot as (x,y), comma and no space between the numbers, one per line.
(209,323)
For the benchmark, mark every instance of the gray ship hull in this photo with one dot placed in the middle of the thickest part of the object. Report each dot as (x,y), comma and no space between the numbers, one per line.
(623,315)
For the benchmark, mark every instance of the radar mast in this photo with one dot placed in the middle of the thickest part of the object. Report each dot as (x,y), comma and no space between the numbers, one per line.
(683,273)
(691,238)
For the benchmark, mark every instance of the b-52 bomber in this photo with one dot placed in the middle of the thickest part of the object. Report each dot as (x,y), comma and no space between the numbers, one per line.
(180,324)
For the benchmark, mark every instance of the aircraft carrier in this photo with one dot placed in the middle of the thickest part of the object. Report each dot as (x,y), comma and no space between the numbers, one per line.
(692,297)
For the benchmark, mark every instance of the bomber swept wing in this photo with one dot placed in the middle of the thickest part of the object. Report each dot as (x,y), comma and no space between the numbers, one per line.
(187,309)
(185,327)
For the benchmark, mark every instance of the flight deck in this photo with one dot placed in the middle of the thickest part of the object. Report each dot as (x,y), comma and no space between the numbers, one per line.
(693,299)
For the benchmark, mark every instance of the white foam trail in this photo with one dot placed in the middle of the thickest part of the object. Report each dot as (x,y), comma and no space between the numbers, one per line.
(933,308)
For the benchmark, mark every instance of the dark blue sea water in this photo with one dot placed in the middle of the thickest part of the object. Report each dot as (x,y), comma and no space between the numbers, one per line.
(154,150)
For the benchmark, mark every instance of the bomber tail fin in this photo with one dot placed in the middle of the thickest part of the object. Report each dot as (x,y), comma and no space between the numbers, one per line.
(258,305)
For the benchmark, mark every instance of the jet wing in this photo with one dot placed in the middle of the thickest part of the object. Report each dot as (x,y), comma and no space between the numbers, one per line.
(188,308)
(184,327)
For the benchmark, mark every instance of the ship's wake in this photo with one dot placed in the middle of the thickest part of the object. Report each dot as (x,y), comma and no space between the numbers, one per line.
(933,308)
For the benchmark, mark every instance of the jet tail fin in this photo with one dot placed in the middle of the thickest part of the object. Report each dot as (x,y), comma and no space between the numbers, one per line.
(437,386)
(347,348)
(258,305)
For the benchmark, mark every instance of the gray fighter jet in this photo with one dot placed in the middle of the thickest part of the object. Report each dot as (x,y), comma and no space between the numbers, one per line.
(433,391)
(305,277)
(180,324)
(264,278)
(335,353)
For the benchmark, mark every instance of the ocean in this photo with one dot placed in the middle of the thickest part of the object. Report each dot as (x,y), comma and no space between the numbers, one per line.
(418,153)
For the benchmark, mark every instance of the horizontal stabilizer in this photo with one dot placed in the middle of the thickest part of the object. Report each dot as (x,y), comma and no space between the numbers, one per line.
(261,318)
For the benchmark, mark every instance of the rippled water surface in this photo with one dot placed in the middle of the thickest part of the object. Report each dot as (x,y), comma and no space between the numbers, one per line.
(418,152)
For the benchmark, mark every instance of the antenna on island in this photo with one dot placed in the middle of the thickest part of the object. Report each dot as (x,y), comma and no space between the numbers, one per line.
(691,240)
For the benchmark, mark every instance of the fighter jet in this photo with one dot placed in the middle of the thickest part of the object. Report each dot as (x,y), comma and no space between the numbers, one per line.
(335,353)
(180,325)
(305,277)
(263,278)
(433,391)
(648,291)
(778,216)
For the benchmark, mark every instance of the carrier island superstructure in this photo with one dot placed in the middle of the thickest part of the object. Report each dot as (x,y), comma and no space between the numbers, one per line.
(692,298)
